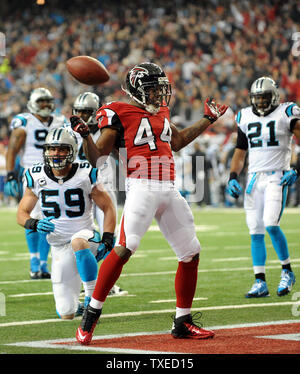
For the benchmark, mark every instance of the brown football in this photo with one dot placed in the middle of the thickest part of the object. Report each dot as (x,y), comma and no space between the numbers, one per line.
(87,70)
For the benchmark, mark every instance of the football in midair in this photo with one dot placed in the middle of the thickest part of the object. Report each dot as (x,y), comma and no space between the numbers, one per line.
(87,70)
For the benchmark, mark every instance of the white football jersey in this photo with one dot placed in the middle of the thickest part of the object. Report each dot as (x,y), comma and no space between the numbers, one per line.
(67,200)
(269,138)
(36,132)
(107,170)
(81,156)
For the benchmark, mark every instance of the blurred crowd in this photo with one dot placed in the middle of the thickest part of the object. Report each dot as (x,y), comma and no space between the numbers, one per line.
(207,48)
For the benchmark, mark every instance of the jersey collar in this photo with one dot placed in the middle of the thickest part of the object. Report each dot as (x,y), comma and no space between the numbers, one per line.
(266,114)
(71,174)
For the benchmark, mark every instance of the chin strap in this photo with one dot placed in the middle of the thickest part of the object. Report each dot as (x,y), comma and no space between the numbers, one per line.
(152,109)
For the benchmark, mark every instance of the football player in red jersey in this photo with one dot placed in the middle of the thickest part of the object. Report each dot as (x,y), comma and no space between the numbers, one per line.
(143,128)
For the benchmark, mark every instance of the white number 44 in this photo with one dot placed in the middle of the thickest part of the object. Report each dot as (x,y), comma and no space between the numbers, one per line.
(145,134)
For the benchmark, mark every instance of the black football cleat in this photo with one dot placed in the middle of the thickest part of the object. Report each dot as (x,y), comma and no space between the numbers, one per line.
(88,323)
(185,328)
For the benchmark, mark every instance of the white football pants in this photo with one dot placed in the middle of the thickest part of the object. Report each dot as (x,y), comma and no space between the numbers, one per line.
(264,200)
(149,199)
(66,282)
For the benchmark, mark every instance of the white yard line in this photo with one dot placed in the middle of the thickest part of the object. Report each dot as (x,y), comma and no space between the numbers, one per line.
(146,312)
(20,258)
(25,281)
(31,294)
(244,268)
(229,259)
(289,337)
(174,300)
(51,293)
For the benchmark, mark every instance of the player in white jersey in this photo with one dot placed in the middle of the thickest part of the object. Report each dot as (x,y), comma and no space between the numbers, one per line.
(265,130)
(29,131)
(85,107)
(66,191)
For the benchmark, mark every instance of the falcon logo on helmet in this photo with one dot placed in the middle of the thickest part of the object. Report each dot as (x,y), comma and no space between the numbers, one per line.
(136,73)
(148,85)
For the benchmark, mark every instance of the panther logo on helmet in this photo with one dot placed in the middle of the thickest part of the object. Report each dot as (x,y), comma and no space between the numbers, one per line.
(86,106)
(62,137)
(264,95)
(34,103)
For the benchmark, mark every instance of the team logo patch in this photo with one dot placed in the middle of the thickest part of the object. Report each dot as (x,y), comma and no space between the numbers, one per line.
(296,111)
(42,181)
(16,122)
(136,73)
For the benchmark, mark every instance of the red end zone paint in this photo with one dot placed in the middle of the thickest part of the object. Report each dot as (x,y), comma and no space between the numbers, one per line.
(244,340)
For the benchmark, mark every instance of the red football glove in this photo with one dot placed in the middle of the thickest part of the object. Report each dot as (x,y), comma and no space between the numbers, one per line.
(79,126)
(213,111)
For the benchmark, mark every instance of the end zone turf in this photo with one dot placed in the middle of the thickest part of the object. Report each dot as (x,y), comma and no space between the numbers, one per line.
(281,337)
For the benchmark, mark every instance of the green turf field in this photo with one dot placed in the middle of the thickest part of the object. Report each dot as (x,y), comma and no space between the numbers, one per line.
(225,275)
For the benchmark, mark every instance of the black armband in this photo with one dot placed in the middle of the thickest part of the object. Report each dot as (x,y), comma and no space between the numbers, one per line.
(233,175)
(31,224)
(108,239)
(12,175)
(297,170)
(85,134)
(241,141)
(293,123)
(211,119)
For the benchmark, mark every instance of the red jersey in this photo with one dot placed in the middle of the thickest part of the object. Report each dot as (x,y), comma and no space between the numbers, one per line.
(146,138)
